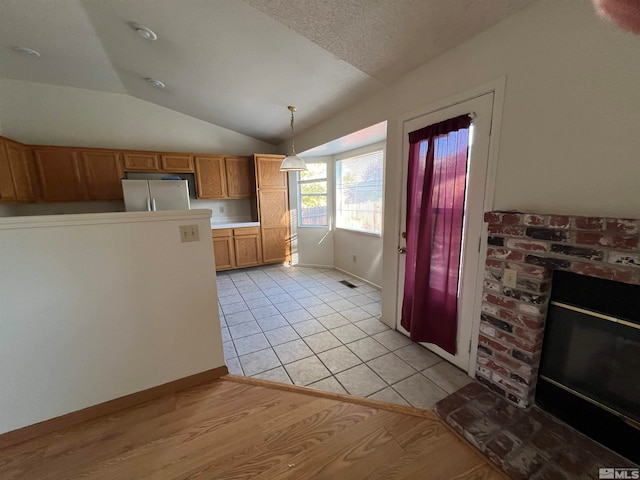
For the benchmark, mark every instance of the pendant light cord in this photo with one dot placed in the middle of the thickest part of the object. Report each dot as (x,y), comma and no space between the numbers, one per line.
(293,145)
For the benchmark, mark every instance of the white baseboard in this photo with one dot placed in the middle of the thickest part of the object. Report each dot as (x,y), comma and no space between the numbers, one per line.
(311,265)
(364,280)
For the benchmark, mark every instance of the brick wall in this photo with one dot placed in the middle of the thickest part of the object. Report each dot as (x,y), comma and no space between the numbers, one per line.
(512,320)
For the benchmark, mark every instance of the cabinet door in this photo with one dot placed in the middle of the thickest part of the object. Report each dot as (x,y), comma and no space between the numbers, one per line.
(177,163)
(223,253)
(60,177)
(7,190)
(274,225)
(275,244)
(238,176)
(23,172)
(210,177)
(246,242)
(268,174)
(144,162)
(103,174)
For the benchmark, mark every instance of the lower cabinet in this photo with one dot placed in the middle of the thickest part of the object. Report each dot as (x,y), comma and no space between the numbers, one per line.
(223,249)
(236,248)
(246,243)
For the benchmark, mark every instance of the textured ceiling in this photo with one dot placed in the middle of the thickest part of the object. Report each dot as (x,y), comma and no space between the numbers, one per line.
(238,64)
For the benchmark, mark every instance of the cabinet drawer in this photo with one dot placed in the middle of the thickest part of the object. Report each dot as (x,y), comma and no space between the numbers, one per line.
(221,232)
(246,231)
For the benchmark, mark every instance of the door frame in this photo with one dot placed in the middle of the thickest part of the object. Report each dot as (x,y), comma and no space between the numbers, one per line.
(498,88)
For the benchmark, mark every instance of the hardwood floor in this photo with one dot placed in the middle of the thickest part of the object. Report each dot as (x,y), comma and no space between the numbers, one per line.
(243,428)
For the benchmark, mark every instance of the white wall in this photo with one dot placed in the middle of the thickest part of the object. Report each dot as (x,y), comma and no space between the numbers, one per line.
(7,210)
(228,210)
(42,114)
(312,246)
(569,141)
(95,307)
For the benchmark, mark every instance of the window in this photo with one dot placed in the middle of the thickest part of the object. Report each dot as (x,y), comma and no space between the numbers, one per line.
(359,192)
(312,196)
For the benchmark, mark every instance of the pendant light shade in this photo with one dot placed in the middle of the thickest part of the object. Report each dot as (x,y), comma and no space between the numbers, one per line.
(292,163)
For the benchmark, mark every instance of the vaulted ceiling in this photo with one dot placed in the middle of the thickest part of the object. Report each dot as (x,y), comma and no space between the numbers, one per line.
(238,63)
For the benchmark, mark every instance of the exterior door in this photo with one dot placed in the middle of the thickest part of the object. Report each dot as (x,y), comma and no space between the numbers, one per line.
(481,109)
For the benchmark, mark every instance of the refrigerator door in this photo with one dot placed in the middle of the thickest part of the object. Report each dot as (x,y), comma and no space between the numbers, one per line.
(169,195)
(136,195)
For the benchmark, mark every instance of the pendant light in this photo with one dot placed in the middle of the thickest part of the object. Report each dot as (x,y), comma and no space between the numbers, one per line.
(292,163)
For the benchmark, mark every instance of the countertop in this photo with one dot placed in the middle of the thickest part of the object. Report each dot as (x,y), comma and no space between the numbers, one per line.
(217,225)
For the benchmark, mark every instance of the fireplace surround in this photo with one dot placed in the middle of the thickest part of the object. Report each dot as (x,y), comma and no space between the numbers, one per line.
(528,248)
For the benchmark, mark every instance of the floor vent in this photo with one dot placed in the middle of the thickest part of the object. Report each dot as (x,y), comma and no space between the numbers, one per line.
(347,283)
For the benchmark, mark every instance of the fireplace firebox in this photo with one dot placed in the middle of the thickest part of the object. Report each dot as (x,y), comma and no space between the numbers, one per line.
(590,365)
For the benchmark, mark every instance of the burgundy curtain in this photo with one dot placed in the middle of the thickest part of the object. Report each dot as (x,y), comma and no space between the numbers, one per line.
(435,210)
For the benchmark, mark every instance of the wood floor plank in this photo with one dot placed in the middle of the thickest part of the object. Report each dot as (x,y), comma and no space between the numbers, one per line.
(228,429)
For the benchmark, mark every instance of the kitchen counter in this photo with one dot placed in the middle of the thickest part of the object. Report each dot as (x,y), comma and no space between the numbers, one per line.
(216,226)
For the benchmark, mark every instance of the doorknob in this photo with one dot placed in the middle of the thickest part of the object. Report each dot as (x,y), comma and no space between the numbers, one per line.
(402,250)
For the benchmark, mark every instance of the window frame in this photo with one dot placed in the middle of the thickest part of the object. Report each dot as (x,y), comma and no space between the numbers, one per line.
(299,195)
(353,155)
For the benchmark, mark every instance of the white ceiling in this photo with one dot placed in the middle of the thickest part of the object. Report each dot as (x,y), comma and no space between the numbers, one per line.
(238,64)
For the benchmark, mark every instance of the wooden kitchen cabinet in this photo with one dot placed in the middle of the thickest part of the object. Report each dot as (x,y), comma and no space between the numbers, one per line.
(223,250)
(246,243)
(103,173)
(176,163)
(210,176)
(220,177)
(238,176)
(268,174)
(23,171)
(141,162)
(273,208)
(60,176)
(7,189)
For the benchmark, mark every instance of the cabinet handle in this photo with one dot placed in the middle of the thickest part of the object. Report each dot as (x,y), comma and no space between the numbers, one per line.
(148,204)
(153,204)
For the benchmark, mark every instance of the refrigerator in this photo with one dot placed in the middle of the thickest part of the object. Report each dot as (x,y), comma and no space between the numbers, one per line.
(153,195)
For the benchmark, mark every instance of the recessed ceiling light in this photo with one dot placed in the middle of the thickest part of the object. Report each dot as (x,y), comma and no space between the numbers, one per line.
(155,83)
(27,52)
(143,31)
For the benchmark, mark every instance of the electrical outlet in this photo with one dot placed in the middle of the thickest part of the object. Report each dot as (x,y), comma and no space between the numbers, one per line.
(221,209)
(354,257)
(189,233)
(510,278)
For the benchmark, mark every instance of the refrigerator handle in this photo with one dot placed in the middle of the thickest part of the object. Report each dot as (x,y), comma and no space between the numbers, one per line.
(148,204)
(153,204)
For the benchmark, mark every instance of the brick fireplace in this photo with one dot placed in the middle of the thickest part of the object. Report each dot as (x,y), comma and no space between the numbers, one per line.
(532,245)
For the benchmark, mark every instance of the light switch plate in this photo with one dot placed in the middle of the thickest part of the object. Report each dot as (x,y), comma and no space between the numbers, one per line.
(189,233)
(510,278)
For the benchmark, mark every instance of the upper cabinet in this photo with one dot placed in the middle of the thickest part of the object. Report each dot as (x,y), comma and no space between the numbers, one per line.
(157,162)
(176,163)
(141,162)
(17,173)
(210,177)
(60,176)
(224,177)
(268,172)
(7,189)
(239,177)
(103,172)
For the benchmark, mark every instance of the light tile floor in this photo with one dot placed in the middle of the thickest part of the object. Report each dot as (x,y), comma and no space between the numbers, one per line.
(301,325)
